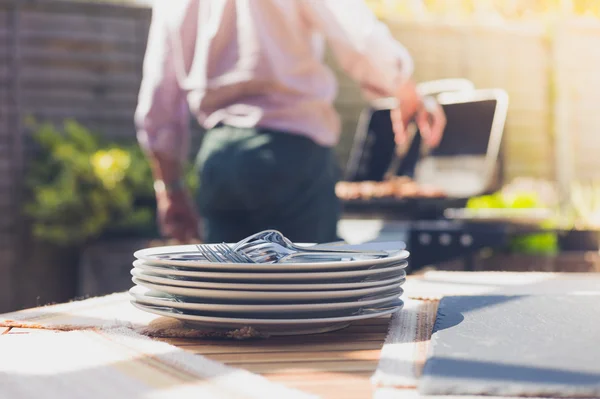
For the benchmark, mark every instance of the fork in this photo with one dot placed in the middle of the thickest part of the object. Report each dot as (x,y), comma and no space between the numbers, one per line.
(228,253)
(268,252)
(210,254)
(225,254)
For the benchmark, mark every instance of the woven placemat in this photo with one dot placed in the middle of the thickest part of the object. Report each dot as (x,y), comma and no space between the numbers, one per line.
(405,348)
(113,311)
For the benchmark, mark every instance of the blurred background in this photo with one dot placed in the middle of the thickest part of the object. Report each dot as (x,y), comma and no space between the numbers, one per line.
(76,194)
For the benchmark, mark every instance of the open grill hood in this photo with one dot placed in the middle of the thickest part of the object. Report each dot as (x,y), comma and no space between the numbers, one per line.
(467,163)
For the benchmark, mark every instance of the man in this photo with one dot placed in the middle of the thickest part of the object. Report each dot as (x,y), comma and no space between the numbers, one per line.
(251,71)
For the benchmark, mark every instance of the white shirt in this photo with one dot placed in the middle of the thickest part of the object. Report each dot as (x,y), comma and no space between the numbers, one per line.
(250,63)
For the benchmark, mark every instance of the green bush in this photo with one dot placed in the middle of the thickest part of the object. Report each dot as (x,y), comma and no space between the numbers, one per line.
(533,244)
(82,187)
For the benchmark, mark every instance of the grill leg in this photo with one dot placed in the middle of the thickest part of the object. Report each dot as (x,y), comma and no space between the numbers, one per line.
(469,262)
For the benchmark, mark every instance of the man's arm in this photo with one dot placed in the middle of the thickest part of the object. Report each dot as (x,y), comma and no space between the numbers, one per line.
(363,45)
(367,51)
(162,129)
(161,116)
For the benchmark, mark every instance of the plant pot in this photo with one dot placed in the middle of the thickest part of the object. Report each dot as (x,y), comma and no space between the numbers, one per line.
(579,240)
(45,274)
(106,264)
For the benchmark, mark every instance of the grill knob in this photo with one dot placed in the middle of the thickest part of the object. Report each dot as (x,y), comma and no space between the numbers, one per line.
(445,239)
(466,240)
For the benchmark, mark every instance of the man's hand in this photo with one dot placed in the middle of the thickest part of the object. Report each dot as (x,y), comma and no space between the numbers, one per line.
(431,121)
(177,216)
(428,115)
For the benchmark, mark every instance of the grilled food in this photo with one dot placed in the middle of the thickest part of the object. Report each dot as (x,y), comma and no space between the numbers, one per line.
(399,187)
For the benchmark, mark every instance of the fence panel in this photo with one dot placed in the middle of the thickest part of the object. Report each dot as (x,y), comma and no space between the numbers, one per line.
(578,83)
(59,60)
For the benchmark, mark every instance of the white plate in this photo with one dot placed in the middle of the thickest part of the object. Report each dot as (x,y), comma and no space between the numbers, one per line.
(269,326)
(342,276)
(182,282)
(146,296)
(174,255)
(265,296)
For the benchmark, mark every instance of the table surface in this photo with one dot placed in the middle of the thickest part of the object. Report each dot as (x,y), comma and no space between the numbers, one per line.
(338,364)
(331,365)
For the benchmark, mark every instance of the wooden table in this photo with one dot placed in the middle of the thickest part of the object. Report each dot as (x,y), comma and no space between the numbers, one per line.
(332,365)
(339,364)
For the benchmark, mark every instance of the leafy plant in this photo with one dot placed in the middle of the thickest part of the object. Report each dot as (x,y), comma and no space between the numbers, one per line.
(82,187)
(539,243)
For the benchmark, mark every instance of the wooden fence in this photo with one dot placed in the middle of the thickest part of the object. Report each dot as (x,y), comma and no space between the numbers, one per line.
(59,60)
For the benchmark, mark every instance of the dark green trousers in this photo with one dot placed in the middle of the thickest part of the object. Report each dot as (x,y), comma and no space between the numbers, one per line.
(257,179)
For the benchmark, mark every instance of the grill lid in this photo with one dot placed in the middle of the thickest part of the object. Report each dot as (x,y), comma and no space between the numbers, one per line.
(466,162)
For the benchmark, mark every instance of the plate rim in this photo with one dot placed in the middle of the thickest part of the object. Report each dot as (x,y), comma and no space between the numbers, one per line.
(272,295)
(400,264)
(244,321)
(258,287)
(143,254)
(279,308)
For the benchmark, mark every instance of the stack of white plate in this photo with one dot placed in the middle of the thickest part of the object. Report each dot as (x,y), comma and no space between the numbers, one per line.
(273,298)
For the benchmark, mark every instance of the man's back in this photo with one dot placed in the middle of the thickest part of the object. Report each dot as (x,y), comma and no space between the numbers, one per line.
(258,62)
(251,63)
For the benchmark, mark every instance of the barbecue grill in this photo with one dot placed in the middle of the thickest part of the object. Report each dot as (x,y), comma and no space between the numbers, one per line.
(468,162)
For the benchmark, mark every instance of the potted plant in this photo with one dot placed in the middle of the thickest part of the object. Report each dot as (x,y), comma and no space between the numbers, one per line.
(524,194)
(523,252)
(93,197)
